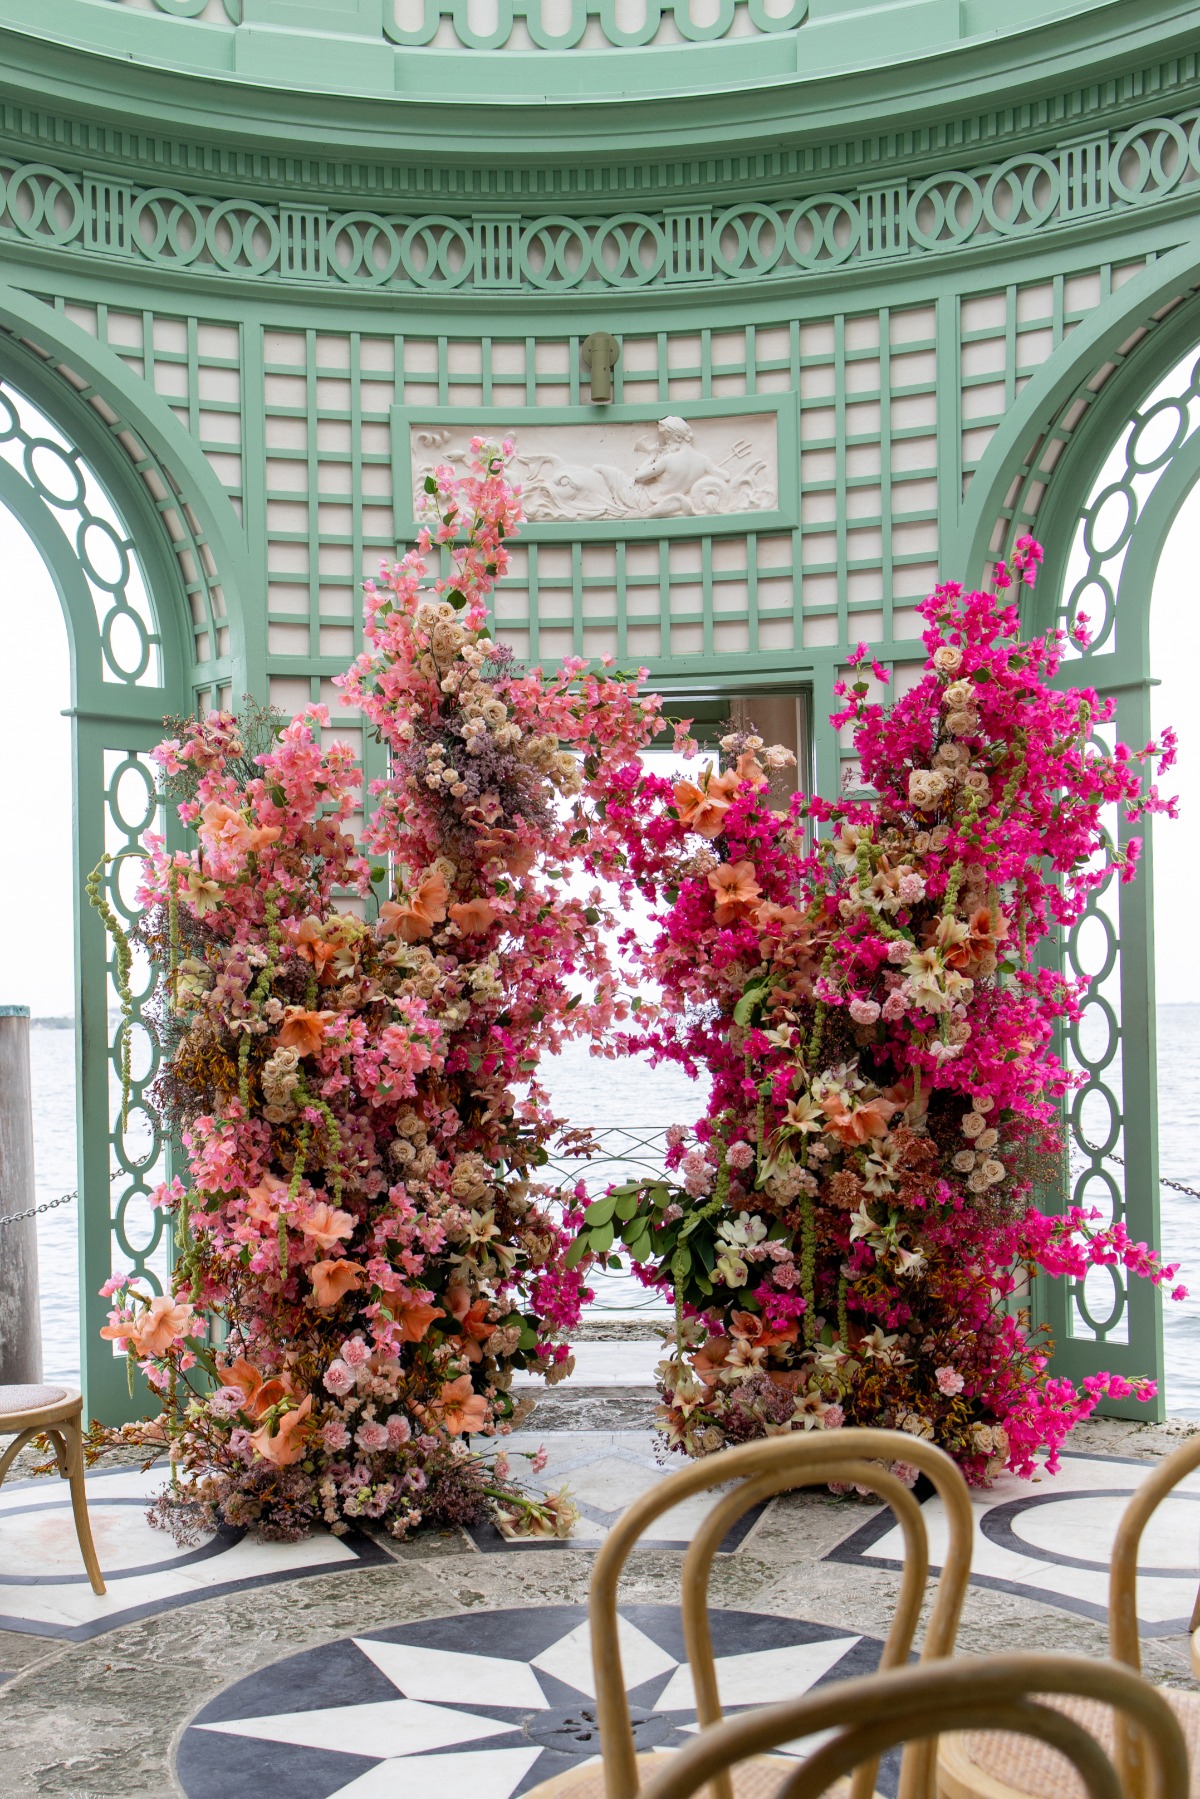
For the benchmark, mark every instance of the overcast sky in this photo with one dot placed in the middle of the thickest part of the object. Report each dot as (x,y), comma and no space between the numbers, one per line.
(35,793)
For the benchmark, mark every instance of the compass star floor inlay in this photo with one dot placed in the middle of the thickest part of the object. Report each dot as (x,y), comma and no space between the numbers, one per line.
(487,1703)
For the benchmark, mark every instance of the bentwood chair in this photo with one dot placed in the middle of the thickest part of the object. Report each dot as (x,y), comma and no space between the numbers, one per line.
(56,1413)
(976,1766)
(1004,1694)
(762,1470)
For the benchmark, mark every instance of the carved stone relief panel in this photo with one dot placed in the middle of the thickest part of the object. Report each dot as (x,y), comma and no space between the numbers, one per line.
(644,470)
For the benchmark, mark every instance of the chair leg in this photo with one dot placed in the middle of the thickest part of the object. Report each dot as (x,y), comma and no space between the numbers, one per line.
(13,1451)
(73,1438)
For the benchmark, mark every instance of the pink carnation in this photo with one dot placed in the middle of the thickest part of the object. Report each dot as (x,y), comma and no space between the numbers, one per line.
(339,1379)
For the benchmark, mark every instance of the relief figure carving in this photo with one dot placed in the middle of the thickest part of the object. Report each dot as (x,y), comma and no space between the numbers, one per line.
(668,474)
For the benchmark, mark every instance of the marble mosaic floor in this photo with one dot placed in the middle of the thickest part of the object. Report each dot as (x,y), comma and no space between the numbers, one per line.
(144,1570)
(1047,1540)
(491,1703)
(1051,1540)
(605,1472)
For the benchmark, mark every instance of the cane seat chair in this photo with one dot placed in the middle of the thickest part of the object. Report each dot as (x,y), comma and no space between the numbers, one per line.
(1004,1694)
(762,1470)
(977,1766)
(57,1413)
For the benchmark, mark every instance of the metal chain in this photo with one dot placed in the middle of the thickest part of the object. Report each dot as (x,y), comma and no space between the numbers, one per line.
(1112,1156)
(47,1205)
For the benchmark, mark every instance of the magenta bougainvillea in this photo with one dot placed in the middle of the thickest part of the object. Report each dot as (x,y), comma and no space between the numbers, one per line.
(846,1230)
(367,1256)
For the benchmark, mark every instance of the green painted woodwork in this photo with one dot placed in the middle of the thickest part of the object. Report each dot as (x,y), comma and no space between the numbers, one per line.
(441,255)
(243,243)
(375,46)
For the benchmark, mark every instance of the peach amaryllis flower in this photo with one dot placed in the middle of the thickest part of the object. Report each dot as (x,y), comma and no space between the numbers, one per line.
(750,1328)
(414,918)
(312,947)
(472,1320)
(258,1395)
(473,916)
(227,827)
(856,1125)
(459,1408)
(326,1226)
(702,807)
(736,891)
(414,1316)
(332,1280)
(751,770)
(303,1030)
(289,1442)
(156,1329)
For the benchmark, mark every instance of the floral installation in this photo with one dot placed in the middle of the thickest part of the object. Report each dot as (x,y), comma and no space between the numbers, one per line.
(365,1254)
(847,1231)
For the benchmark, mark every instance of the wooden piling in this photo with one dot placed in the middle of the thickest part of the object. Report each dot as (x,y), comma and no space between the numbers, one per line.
(20,1315)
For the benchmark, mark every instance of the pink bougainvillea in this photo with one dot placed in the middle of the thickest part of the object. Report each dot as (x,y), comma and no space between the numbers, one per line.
(847,1229)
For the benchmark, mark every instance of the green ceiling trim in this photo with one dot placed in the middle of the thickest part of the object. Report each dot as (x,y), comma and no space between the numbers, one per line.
(1103,178)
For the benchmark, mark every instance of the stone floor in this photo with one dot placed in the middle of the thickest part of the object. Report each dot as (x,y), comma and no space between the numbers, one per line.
(347,1670)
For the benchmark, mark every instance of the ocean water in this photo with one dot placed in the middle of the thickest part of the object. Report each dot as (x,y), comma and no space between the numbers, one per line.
(596,1092)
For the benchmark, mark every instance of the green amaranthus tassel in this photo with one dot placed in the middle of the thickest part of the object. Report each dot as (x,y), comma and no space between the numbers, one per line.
(123,957)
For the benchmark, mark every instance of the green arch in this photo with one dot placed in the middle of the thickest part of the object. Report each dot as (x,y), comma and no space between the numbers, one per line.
(1120,669)
(152,420)
(965,549)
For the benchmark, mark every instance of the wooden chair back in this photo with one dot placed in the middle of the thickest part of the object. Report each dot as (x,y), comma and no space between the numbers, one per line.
(1123,1639)
(763,1469)
(872,1714)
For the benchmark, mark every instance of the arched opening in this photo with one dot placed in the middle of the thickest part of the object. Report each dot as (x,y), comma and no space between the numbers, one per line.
(1174,652)
(91,651)
(1119,512)
(36,909)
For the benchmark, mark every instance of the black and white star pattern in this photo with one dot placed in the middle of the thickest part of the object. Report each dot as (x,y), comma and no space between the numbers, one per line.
(489,1703)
